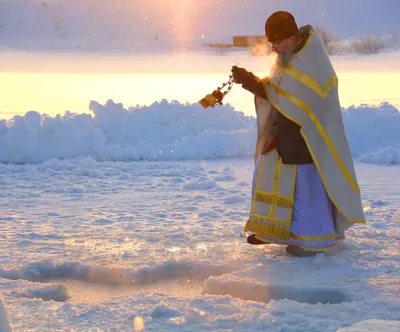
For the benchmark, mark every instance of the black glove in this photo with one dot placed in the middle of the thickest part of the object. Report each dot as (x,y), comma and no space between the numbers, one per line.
(239,74)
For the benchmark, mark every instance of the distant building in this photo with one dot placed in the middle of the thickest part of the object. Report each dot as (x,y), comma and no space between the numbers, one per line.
(248,41)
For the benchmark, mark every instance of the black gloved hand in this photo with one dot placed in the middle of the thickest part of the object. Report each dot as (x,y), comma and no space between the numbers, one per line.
(239,74)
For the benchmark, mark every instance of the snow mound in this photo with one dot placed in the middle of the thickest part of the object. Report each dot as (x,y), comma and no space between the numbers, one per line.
(164,311)
(373,132)
(50,293)
(162,131)
(172,131)
(386,156)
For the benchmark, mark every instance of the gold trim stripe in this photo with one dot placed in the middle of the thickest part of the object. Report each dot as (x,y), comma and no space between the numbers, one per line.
(258,183)
(325,185)
(273,241)
(259,216)
(266,80)
(293,189)
(321,90)
(313,156)
(276,186)
(269,198)
(283,201)
(316,163)
(248,223)
(320,129)
(310,38)
(269,227)
(312,238)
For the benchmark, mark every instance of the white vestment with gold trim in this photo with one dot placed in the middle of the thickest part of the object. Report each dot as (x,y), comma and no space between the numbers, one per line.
(306,92)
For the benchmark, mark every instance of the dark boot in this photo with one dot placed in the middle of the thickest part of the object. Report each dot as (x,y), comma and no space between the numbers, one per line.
(252,240)
(300,252)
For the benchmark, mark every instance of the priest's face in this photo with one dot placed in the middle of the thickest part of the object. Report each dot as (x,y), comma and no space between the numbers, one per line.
(284,51)
(281,46)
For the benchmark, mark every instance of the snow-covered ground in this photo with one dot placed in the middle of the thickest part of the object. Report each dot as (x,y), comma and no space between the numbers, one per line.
(133,220)
(130,219)
(126,245)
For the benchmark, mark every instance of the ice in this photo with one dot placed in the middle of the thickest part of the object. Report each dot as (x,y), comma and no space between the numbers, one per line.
(176,257)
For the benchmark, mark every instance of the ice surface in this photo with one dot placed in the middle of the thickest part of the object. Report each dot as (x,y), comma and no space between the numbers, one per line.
(132,246)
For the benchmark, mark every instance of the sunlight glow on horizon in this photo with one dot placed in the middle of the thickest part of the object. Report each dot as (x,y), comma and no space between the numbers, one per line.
(184,14)
(54,93)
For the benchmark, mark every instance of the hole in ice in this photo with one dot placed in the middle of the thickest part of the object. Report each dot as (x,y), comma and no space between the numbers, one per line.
(91,283)
(87,292)
(264,293)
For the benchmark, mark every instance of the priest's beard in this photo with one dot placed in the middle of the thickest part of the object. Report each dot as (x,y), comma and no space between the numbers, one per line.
(282,59)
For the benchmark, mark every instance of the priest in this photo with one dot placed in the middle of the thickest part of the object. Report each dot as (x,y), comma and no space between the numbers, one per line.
(305,192)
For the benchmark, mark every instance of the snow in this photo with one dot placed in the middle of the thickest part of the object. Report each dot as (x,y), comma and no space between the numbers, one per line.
(396,217)
(388,155)
(382,144)
(54,293)
(133,248)
(171,131)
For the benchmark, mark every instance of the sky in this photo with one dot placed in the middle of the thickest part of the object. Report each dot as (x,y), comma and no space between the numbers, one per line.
(68,23)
